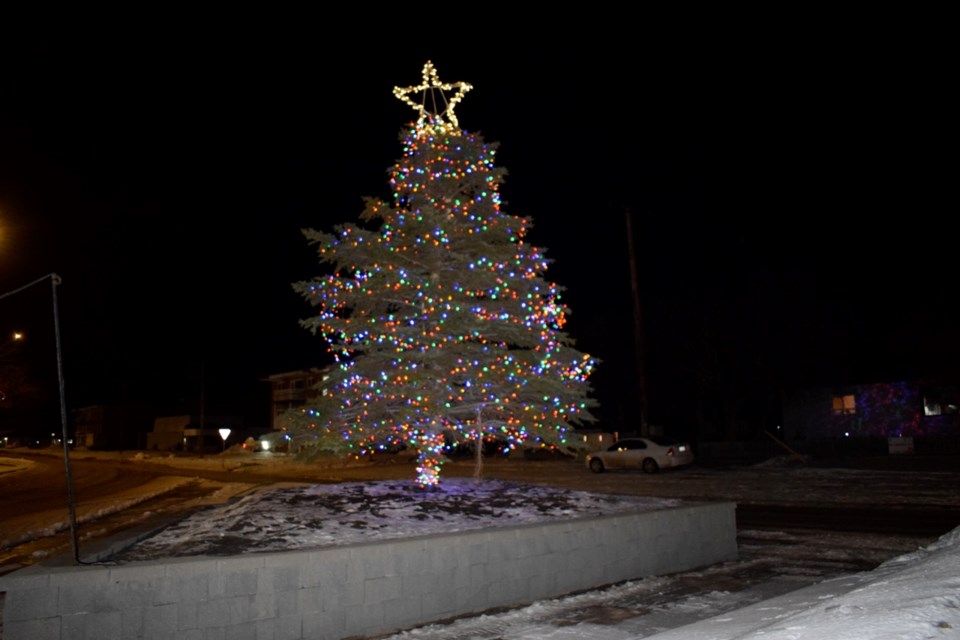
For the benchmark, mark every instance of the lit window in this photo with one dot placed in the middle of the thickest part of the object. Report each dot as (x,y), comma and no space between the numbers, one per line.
(844,405)
(940,400)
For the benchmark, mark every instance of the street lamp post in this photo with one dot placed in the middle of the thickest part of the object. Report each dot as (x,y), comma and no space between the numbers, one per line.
(55,280)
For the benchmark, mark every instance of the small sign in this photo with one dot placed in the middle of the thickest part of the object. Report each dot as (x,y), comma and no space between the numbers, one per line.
(900,445)
(224,433)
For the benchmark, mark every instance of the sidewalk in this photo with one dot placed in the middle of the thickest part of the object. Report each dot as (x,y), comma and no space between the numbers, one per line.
(765,618)
(916,595)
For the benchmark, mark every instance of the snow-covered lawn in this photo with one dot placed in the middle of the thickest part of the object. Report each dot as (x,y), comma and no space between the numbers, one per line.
(284,519)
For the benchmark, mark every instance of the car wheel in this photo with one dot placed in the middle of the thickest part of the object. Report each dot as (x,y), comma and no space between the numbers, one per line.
(596,465)
(650,465)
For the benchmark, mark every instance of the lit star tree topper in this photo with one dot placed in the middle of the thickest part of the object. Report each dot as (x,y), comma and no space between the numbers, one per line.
(433,108)
(437,310)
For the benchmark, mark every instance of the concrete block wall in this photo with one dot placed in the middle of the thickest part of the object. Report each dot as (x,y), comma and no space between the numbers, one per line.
(361,589)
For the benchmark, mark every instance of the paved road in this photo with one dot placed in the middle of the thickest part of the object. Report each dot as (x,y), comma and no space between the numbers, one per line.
(903,521)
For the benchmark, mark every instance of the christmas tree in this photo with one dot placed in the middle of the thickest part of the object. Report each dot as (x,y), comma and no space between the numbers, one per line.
(437,312)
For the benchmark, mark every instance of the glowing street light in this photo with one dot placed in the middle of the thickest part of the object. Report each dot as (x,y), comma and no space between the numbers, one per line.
(9,345)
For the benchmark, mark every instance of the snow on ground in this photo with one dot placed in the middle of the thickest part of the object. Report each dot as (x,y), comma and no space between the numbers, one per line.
(19,529)
(340,514)
(913,595)
(916,595)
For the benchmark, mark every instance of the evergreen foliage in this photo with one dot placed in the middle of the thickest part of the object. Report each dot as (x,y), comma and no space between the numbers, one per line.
(441,322)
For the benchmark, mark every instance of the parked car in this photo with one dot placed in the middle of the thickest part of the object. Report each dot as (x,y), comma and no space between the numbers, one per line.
(650,453)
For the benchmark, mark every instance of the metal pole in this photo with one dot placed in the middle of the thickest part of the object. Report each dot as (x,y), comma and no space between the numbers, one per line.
(203,425)
(71,502)
(638,331)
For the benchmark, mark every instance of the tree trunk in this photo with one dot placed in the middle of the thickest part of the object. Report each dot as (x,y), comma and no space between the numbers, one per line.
(478,459)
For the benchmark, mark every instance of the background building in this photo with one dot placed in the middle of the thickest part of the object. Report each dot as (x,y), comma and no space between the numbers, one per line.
(293,389)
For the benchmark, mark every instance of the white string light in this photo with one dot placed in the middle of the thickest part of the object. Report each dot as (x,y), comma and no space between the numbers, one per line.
(431,85)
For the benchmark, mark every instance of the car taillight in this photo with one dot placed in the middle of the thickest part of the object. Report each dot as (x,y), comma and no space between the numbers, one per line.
(670,451)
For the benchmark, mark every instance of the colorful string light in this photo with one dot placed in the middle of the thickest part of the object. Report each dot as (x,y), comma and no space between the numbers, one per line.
(439,316)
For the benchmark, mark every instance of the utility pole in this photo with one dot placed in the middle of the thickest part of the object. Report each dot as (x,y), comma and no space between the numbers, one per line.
(638,341)
(202,410)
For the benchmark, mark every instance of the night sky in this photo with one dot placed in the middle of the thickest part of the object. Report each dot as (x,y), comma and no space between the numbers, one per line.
(788,196)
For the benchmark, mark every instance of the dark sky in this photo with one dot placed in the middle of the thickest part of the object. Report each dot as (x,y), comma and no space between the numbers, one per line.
(787,193)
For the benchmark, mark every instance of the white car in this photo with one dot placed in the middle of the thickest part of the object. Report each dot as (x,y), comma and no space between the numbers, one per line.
(650,453)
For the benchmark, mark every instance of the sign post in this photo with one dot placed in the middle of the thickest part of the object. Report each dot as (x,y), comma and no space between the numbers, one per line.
(224,434)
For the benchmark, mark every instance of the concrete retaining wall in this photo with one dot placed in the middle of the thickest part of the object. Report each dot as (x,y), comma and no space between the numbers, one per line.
(360,589)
